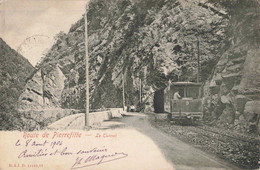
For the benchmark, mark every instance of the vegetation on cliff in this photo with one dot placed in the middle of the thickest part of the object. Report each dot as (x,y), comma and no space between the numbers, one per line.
(14,70)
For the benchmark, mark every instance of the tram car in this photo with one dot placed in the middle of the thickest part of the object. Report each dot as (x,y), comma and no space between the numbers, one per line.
(188,107)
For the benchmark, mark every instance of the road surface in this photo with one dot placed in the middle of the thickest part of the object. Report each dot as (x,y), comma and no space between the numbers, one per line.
(176,152)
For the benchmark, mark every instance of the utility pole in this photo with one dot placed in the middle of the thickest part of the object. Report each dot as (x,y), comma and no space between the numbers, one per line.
(123,84)
(198,74)
(87,69)
(43,82)
(140,91)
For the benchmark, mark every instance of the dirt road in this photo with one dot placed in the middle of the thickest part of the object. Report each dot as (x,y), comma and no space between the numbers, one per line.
(178,153)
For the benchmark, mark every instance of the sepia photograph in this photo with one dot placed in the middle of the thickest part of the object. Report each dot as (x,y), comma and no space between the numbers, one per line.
(129,84)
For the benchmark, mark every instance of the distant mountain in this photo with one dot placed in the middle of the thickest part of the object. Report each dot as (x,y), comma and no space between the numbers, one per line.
(14,70)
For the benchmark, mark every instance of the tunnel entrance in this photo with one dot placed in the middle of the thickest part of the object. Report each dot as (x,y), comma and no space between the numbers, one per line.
(158,101)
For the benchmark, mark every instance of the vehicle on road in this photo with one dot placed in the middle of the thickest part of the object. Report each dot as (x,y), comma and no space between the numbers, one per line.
(189,107)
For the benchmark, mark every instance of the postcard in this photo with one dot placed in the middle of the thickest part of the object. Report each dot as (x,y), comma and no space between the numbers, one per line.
(129,84)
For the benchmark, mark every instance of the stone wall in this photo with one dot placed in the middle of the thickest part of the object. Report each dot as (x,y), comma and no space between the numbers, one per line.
(37,119)
(77,121)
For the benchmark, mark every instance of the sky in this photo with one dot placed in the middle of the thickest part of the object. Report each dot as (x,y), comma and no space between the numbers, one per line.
(29,26)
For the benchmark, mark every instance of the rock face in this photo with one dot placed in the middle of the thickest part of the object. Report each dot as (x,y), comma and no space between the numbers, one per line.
(147,43)
(32,97)
(40,103)
(234,91)
(43,91)
(14,70)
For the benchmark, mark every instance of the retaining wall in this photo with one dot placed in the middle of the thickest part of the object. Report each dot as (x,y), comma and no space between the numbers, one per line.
(77,121)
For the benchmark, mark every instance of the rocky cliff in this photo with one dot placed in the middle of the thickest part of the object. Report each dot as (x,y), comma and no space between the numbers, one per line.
(232,94)
(148,43)
(14,70)
(149,40)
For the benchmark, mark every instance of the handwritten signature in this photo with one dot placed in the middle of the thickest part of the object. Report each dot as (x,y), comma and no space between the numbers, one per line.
(85,157)
(96,160)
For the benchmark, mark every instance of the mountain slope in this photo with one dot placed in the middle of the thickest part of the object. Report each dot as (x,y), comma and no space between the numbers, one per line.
(149,40)
(148,43)
(14,70)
